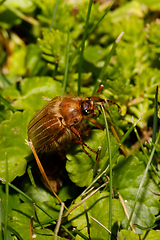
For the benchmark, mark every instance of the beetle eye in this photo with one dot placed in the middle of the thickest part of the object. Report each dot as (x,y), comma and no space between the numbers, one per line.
(86,107)
(75,121)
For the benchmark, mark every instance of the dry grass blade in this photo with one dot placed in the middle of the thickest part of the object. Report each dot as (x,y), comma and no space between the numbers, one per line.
(59,221)
(30,144)
(83,200)
(126,212)
(31,228)
(103,226)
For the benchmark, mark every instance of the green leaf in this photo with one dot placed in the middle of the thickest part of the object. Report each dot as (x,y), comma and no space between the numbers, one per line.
(23,5)
(11,93)
(13,133)
(151,235)
(20,221)
(96,206)
(79,165)
(2,220)
(127,185)
(13,198)
(17,62)
(36,66)
(4,113)
(32,91)
(8,19)
(94,54)
(152,5)
(128,235)
(44,198)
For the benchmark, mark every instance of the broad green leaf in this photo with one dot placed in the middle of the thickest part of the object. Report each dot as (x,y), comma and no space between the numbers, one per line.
(94,54)
(153,5)
(11,93)
(80,166)
(4,113)
(21,217)
(24,5)
(124,10)
(14,200)
(17,62)
(127,176)
(13,133)
(32,91)
(44,198)
(128,235)
(96,206)
(152,234)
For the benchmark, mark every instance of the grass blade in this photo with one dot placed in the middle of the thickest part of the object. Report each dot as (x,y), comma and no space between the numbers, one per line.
(151,156)
(110,171)
(7,104)
(26,196)
(82,49)
(7,234)
(64,83)
(143,179)
(93,28)
(1,219)
(106,165)
(102,72)
(54,14)
(155,119)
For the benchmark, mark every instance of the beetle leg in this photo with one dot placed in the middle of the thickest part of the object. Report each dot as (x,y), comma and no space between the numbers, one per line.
(79,140)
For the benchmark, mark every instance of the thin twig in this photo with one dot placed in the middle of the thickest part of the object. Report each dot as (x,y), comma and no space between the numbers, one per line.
(83,200)
(88,188)
(103,226)
(59,221)
(125,210)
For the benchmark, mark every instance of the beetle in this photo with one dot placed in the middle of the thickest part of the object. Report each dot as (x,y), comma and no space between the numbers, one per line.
(61,121)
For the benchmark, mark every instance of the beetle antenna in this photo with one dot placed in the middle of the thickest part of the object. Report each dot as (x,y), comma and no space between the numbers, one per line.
(110,101)
(99,89)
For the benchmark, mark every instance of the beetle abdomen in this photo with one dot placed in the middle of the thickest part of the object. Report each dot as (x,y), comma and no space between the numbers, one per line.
(46,129)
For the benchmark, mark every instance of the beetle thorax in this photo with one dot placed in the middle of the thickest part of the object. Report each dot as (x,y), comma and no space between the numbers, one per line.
(70,109)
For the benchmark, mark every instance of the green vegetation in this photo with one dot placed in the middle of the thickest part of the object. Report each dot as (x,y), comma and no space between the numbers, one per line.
(53,47)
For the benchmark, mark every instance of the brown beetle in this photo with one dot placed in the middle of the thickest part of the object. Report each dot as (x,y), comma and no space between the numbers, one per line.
(60,121)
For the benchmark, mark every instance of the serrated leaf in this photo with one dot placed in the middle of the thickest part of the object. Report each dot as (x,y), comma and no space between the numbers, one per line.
(13,134)
(96,206)
(127,185)
(53,46)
